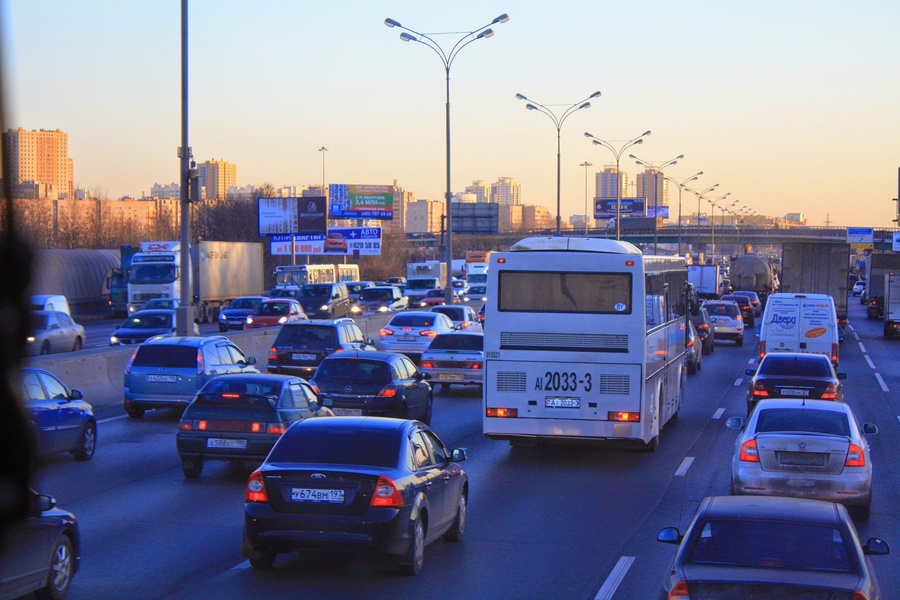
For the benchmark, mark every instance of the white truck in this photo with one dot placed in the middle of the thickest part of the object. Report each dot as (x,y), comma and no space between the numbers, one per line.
(891,305)
(423,276)
(220,271)
(707,280)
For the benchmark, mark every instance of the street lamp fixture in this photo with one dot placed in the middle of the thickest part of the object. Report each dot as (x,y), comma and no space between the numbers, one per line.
(558,121)
(656,171)
(618,154)
(586,164)
(681,185)
(447,58)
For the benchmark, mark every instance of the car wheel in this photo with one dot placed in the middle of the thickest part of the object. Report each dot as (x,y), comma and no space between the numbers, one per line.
(192,468)
(223,329)
(62,567)
(134,412)
(739,340)
(691,367)
(77,345)
(45,347)
(458,528)
(87,443)
(429,409)
(414,559)
(265,560)
(861,513)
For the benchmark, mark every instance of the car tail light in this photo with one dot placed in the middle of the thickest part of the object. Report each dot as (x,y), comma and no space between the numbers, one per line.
(273,353)
(749,451)
(740,318)
(855,457)
(388,391)
(703,326)
(428,333)
(386,494)
(762,349)
(200,424)
(315,387)
(278,428)
(502,412)
(426,364)
(690,343)
(830,392)
(860,595)
(476,365)
(834,354)
(185,425)
(130,360)
(256,488)
(679,591)
(200,365)
(385,331)
(759,390)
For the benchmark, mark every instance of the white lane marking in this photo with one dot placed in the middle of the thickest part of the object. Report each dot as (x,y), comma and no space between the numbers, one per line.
(685,465)
(850,327)
(862,347)
(615,578)
(869,360)
(738,382)
(751,361)
(881,382)
(110,419)
(856,335)
(225,576)
(718,414)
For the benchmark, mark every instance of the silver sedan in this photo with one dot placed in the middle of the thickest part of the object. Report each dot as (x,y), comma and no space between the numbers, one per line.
(54,331)
(805,449)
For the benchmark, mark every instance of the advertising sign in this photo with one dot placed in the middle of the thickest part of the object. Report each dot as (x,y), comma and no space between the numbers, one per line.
(338,241)
(658,211)
(895,246)
(280,216)
(361,201)
(605,208)
(860,235)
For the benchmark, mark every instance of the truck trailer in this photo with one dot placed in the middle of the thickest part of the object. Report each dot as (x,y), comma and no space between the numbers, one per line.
(706,279)
(815,268)
(877,266)
(891,305)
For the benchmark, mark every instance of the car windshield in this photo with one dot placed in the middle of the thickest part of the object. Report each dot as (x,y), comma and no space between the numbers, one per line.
(151,321)
(803,420)
(338,445)
(353,370)
(376,295)
(458,342)
(309,334)
(356,288)
(273,308)
(782,545)
(799,366)
(243,303)
(413,321)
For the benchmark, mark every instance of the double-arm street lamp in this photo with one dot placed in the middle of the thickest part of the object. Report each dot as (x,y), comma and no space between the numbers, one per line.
(586,164)
(712,221)
(681,185)
(656,171)
(447,59)
(618,154)
(699,196)
(558,122)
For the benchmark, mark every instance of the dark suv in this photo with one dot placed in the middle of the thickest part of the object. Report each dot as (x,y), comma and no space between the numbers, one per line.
(325,300)
(300,347)
(705,330)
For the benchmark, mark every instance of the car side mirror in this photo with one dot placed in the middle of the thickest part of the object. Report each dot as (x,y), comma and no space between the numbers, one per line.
(669,535)
(370,341)
(44,503)
(750,372)
(876,547)
(458,454)
(76,395)
(423,375)
(251,360)
(870,428)
(842,376)
(734,423)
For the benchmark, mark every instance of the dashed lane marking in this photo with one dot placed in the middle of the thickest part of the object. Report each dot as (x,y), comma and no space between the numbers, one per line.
(739,382)
(685,465)
(615,578)
(718,414)
(862,348)
(869,360)
(881,382)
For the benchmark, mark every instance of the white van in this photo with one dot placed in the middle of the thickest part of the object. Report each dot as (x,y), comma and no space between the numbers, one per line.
(55,302)
(800,323)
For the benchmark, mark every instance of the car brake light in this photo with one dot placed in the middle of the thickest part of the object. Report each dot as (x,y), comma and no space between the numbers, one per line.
(388,391)
(386,494)
(257,427)
(860,595)
(426,364)
(690,343)
(130,360)
(830,392)
(314,387)
(256,488)
(201,425)
(185,425)
(834,354)
(273,353)
(428,333)
(275,428)
(749,452)
(740,318)
(703,326)
(855,457)
(200,366)
(476,365)
(762,349)
(386,331)
(759,390)
(679,591)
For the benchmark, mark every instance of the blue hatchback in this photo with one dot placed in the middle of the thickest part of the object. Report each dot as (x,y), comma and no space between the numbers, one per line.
(59,419)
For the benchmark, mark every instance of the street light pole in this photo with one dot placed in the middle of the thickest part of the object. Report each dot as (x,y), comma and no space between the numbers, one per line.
(712,222)
(447,58)
(655,171)
(699,196)
(323,150)
(681,185)
(618,154)
(586,164)
(558,122)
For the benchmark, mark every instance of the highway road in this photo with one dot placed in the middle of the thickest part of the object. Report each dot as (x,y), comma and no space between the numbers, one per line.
(560,522)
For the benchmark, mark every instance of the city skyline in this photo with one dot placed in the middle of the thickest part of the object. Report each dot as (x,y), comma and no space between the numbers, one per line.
(790,108)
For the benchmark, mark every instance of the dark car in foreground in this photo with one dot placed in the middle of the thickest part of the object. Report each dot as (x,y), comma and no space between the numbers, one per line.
(59,419)
(239,418)
(54,331)
(768,547)
(364,484)
(300,347)
(794,375)
(754,300)
(41,552)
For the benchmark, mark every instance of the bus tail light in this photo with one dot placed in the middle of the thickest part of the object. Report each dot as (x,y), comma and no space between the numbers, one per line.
(502,413)
(749,451)
(855,457)
(628,417)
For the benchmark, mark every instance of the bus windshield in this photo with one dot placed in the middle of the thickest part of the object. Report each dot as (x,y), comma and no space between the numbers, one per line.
(545,291)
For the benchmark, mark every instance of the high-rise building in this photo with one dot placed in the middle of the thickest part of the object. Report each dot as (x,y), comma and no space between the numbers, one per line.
(653,185)
(506,192)
(39,163)
(424,216)
(481,190)
(606,180)
(535,217)
(217,176)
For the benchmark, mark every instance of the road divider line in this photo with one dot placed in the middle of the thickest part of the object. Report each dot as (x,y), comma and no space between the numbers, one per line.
(850,327)
(739,382)
(881,382)
(751,361)
(718,414)
(685,465)
(856,335)
(612,582)
(111,419)
(862,348)
(869,360)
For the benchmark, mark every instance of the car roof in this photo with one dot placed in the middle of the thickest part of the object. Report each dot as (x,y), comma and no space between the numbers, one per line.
(803,403)
(186,340)
(808,356)
(368,423)
(321,322)
(769,507)
(155,311)
(363,354)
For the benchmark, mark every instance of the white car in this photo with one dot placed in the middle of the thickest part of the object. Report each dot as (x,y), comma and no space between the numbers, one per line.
(859,287)
(726,320)
(455,358)
(411,332)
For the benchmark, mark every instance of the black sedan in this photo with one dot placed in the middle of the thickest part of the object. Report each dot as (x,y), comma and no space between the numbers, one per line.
(143,325)
(771,547)
(747,310)
(368,484)
(382,384)
(41,552)
(794,375)
(58,417)
(239,417)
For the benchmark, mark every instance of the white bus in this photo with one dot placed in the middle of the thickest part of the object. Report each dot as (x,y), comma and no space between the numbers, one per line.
(297,275)
(584,340)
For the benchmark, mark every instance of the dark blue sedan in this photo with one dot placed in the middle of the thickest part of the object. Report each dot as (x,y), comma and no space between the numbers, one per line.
(370,484)
(60,420)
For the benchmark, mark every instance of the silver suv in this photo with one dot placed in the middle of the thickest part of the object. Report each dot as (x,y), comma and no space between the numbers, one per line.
(168,372)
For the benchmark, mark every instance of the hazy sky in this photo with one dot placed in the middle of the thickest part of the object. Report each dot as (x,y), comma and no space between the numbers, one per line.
(790,105)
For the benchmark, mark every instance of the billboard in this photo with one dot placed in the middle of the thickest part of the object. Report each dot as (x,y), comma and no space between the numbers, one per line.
(291,216)
(658,211)
(339,241)
(605,208)
(361,201)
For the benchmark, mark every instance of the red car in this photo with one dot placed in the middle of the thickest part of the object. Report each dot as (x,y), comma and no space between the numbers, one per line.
(275,311)
(436,297)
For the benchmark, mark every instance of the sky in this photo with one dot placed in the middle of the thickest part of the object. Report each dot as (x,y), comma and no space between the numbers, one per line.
(789,105)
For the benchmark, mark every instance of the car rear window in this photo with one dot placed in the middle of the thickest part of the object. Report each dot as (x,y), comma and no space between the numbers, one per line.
(308,334)
(412,321)
(353,370)
(726,310)
(338,445)
(458,342)
(781,545)
(164,355)
(455,313)
(802,419)
(808,366)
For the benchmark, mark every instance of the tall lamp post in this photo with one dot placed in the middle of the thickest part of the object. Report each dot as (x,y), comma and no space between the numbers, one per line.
(656,171)
(558,122)
(712,222)
(586,164)
(618,154)
(681,185)
(323,150)
(699,196)
(447,59)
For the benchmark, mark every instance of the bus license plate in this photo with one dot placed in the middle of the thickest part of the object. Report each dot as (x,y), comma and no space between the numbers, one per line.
(563,403)
(308,495)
